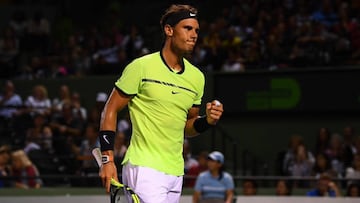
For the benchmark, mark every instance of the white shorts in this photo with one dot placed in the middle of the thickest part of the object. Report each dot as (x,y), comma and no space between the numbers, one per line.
(152,186)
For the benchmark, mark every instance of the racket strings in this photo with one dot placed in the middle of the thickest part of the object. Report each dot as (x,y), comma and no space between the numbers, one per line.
(116,186)
(114,191)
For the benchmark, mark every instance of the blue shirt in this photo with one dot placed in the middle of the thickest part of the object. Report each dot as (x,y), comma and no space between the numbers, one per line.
(10,106)
(212,187)
(316,193)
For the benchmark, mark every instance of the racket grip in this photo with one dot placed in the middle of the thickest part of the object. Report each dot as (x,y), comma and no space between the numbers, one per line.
(97,155)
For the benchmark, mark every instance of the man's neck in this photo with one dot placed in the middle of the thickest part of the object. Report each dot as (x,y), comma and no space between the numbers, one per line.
(173,60)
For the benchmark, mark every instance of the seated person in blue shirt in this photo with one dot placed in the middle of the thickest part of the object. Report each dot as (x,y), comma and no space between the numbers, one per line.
(214,185)
(325,188)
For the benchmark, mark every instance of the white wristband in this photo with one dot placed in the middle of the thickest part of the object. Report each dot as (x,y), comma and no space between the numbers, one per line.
(105,159)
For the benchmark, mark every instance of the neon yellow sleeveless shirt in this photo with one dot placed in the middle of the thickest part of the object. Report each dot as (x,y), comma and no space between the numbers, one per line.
(158,111)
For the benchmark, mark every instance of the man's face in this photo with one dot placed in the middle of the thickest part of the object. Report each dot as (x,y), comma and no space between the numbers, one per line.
(281,188)
(184,35)
(249,188)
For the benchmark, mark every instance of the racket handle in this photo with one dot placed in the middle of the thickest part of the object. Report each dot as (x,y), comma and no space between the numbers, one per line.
(96,152)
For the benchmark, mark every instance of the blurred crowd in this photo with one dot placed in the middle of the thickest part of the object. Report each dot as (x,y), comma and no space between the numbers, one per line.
(243,35)
(55,135)
(331,168)
(335,154)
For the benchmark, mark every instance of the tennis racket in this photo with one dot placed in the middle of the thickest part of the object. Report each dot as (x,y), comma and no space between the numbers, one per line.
(117,189)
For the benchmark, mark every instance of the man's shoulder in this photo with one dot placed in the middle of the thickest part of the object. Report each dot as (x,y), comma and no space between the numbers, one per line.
(149,57)
(143,61)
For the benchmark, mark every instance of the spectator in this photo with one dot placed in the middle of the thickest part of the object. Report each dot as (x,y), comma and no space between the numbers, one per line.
(277,47)
(94,116)
(83,153)
(348,148)
(25,172)
(249,187)
(214,185)
(106,58)
(133,42)
(212,45)
(18,23)
(34,68)
(79,111)
(348,134)
(336,153)
(9,51)
(39,135)
(283,188)
(194,171)
(67,129)
(95,111)
(190,161)
(312,44)
(101,98)
(199,56)
(353,190)
(289,155)
(325,187)
(38,102)
(58,67)
(85,165)
(301,165)
(353,172)
(323,165)
(5,169)
(234,61)
(81,62)
(303,16)
(64,95)
(322,141)
(326,15)
(10,101)
(253,51)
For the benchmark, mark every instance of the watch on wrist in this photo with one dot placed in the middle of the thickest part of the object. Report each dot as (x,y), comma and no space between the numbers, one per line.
(105,159)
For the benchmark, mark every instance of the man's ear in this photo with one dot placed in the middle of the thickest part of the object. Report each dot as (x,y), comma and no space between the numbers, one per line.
(168,30)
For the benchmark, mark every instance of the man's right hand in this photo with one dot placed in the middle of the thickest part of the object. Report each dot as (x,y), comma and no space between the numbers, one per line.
(108,170)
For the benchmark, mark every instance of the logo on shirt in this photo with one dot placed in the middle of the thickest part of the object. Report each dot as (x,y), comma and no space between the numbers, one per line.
(173,92)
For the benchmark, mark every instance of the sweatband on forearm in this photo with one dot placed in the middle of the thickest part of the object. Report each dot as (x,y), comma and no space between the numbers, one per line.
(201,124)
(107,139)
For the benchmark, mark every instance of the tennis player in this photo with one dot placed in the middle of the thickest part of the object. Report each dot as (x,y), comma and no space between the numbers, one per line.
(163,92)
